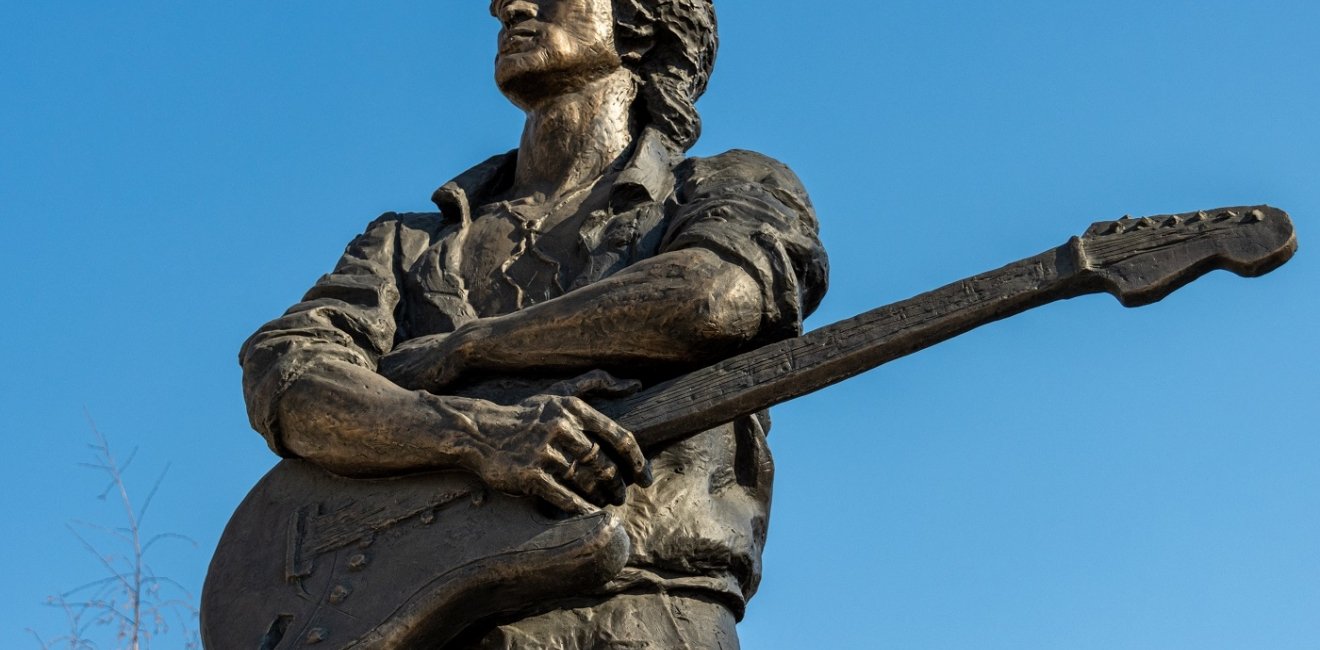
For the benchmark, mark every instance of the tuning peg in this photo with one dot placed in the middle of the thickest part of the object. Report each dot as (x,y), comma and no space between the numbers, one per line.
(1102,228)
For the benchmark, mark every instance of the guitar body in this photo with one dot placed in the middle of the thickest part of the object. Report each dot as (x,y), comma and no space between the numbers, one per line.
(311,558)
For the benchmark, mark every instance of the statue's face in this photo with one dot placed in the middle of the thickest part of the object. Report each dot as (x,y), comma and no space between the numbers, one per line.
(551,46)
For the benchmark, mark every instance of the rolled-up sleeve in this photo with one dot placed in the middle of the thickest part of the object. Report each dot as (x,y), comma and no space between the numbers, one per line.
(753,211)
(346,317)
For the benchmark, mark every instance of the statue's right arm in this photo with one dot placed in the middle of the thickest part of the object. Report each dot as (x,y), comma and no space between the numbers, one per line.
(311,386)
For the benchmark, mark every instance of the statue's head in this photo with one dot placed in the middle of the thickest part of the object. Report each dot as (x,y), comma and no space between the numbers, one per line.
(548,47)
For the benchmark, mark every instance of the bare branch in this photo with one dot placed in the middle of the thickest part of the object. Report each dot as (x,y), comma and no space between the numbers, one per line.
(130,599)
(152,495)
(114,572)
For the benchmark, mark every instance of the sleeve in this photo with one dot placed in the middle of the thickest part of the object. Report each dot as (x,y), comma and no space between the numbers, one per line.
(346,317)
(754,212)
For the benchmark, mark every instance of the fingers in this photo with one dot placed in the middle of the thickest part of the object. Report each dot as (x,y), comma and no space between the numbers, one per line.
(573,456)
(600,476)
(542,485)
(618,440)
(590,475)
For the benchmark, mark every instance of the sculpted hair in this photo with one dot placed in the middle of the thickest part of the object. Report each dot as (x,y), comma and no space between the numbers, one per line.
(677,41)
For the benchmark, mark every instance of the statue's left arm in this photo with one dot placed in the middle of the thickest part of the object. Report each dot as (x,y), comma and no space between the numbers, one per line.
(740,263)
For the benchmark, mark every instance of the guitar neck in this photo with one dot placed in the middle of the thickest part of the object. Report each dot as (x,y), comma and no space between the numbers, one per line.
(781,371)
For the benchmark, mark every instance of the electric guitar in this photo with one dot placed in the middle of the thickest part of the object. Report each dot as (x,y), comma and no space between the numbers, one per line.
(314,559)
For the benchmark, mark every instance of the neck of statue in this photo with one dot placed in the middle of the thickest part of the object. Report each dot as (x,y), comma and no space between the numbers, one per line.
(574,137)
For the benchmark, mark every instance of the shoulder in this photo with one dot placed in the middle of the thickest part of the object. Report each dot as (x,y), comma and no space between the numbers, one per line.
(754,210)
(738,166)
(740,171)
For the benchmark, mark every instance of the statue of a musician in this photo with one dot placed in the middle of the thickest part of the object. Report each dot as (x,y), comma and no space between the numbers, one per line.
(593,259)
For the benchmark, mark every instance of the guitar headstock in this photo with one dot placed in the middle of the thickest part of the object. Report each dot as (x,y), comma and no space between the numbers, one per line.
(1140,261)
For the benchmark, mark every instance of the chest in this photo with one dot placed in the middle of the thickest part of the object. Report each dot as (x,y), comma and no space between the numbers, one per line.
(514,256)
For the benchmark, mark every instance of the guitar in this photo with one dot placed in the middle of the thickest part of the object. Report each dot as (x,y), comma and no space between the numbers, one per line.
(311,558)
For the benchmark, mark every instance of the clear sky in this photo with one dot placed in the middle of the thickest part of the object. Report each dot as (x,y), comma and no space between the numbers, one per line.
(174,174)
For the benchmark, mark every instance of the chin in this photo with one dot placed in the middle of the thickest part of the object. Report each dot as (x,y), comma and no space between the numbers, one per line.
(510,67)
(523,82)
(530,78)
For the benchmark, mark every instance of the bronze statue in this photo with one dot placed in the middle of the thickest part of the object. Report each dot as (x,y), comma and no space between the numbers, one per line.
(596,246)
(535,418)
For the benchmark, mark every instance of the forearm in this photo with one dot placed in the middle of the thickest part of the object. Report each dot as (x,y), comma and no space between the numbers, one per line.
(685,307)
(352,421)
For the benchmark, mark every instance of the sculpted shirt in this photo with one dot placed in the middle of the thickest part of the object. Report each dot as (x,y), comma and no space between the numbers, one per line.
(702,524)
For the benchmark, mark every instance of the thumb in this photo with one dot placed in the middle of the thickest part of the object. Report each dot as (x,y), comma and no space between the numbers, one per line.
(596,383)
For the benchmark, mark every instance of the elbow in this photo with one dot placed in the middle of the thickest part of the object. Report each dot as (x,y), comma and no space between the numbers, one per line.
(300,428)
(712,307)
(305,428)
(729,310)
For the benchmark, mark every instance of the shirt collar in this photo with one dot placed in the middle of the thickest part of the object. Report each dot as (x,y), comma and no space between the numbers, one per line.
(647,177)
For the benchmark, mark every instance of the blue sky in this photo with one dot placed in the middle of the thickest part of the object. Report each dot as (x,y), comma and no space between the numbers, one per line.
(172,175)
